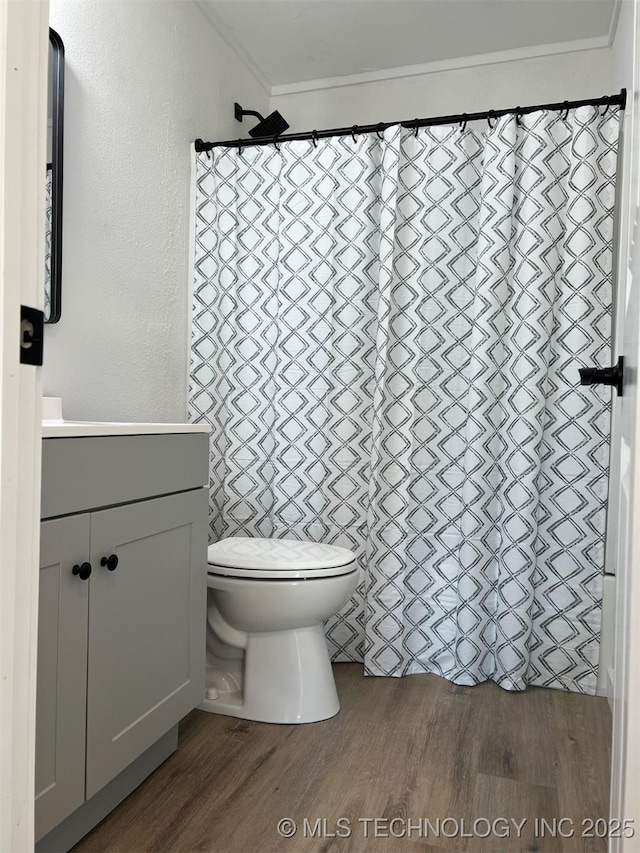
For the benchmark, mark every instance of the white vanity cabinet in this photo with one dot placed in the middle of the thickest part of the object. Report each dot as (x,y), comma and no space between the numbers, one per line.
(122,609)
(62,671)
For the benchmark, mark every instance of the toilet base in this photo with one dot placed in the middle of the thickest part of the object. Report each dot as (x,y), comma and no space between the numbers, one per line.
(287,679)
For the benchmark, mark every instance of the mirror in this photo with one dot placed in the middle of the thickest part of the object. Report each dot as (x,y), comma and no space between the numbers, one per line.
(53,205)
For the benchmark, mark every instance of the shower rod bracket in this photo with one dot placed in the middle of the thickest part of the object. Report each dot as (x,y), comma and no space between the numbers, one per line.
(604,375)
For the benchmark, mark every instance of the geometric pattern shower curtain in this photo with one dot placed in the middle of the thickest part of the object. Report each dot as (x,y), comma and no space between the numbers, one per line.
(387,332)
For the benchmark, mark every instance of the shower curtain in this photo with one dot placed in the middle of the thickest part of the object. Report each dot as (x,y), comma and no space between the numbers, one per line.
(387,332)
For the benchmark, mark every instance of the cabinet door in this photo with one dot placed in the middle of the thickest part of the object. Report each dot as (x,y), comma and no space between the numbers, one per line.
(146,627)
(62,672)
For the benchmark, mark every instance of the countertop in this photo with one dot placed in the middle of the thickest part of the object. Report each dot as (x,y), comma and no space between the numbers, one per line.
(73,429)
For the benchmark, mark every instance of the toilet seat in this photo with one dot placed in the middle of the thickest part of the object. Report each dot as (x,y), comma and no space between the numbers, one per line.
(254,558)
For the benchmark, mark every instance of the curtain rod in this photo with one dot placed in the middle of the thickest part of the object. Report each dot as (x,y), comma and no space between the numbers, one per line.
(619,100)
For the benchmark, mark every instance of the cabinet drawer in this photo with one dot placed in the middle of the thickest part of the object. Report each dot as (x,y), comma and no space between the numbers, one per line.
(85,473)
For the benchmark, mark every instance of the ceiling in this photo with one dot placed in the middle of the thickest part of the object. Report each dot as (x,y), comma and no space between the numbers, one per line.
(289,41)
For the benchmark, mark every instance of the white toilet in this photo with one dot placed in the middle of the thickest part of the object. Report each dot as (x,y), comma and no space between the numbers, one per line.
(267,656)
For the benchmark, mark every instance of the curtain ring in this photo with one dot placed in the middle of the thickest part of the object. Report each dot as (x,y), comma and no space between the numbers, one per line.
(240,148)
(354,130)
(314,138)
(606,109)
(491,115)
(565,115)
(518,116)
(379,130)
(463,122)
(208,153)
(415,129)
(275,143)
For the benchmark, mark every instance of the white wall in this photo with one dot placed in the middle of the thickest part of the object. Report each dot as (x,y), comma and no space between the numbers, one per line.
(143,80)
(569,76)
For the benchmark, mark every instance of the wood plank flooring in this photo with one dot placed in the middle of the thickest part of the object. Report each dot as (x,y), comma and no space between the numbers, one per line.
(401,750)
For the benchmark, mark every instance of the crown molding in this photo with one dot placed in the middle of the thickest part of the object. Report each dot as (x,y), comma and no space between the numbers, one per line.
(615,17)
(233,44)
(513,55)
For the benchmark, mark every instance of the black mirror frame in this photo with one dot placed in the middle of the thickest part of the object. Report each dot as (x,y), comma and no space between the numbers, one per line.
(57,138)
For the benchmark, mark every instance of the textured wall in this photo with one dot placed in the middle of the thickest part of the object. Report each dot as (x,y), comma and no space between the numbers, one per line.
(143,80)
(586,74)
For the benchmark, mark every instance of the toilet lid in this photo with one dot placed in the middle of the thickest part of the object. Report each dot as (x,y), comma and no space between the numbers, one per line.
(253,557)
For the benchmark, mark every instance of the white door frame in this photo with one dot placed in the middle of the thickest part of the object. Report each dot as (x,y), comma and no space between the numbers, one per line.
(625,759)
(24,45)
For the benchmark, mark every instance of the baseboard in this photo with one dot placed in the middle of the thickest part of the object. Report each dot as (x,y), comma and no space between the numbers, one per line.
(83,820)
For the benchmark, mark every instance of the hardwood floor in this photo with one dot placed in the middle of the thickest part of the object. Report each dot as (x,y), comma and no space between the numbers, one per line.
(401,750)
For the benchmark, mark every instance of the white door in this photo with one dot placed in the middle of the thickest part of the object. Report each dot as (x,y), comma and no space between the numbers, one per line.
(23,89)
(625,777)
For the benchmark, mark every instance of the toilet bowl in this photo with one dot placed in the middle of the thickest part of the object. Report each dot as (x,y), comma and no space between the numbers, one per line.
(267,657)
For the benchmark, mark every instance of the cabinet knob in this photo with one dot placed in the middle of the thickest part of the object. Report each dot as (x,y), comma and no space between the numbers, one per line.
(111,562)
(84,571)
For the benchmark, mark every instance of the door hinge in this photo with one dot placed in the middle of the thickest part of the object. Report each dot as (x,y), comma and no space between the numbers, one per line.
(31,335)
